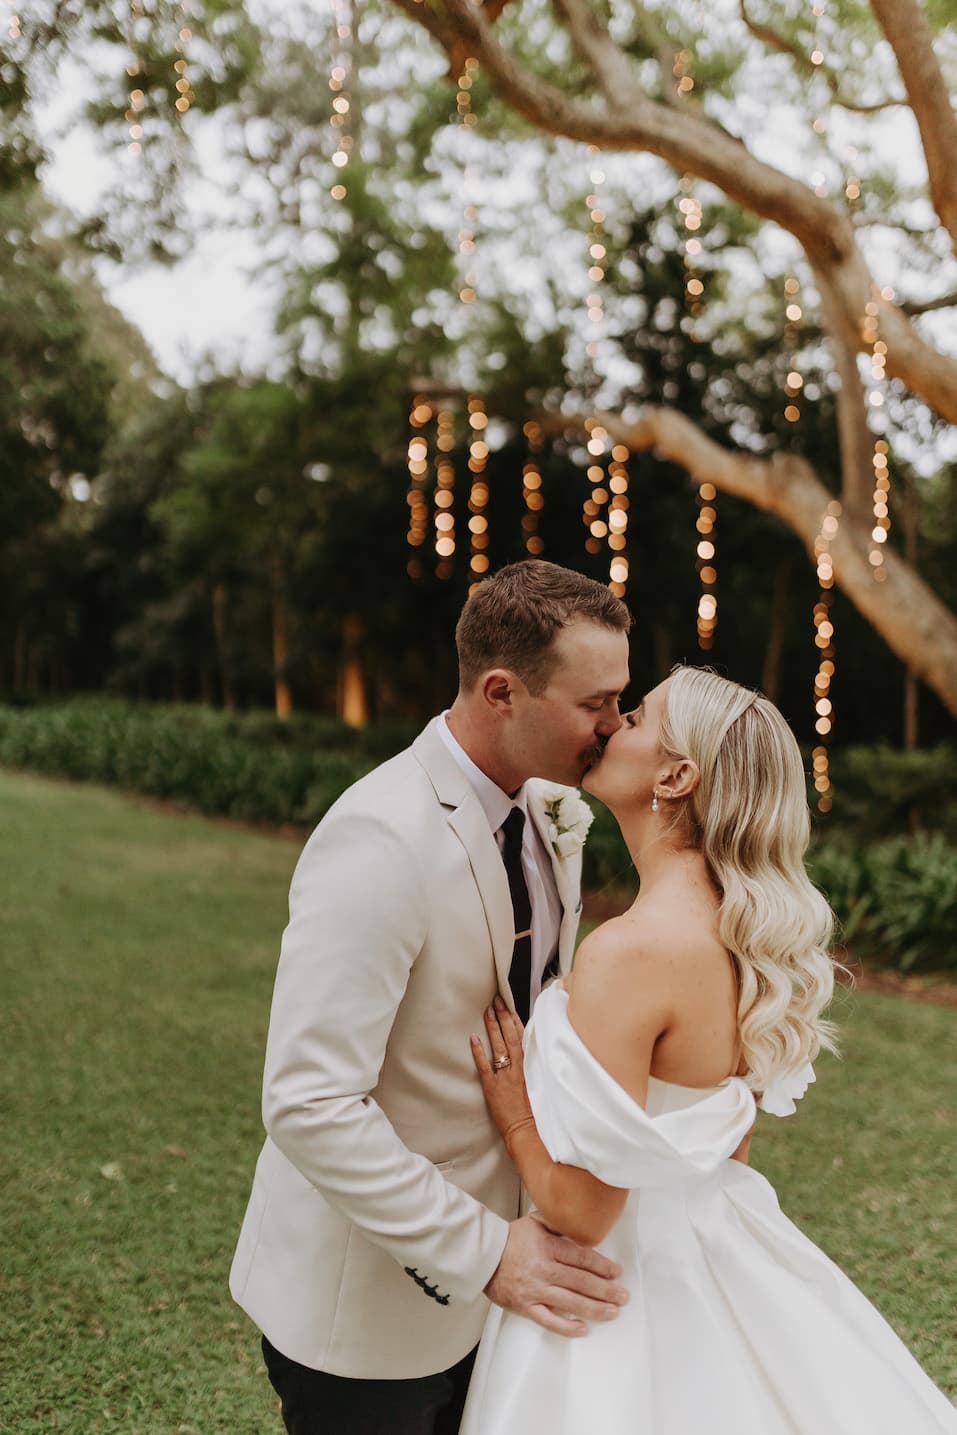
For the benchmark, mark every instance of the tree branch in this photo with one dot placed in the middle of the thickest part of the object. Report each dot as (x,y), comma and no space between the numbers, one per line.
(691,143)
(781,43)
(615,76)
(855,441)
(926,306)
(904,22)
(909,616)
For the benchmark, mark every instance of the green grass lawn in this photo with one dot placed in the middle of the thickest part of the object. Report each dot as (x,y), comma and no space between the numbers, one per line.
(138,949)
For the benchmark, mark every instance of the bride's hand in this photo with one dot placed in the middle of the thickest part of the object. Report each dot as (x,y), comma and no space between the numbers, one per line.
(503,1080)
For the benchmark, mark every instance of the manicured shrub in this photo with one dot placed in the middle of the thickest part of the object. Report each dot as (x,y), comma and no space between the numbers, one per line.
(880,790)
(895,900)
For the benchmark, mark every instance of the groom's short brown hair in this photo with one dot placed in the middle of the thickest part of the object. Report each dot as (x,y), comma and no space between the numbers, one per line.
(511,620)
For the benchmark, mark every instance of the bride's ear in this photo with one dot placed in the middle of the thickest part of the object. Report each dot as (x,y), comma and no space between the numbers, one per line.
(680,779)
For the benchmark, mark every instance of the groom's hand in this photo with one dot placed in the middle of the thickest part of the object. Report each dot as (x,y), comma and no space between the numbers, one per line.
(554,1281)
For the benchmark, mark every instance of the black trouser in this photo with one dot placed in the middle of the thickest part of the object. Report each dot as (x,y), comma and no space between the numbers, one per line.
(315,1403)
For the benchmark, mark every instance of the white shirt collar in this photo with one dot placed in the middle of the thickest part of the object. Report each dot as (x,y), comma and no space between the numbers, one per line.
(496,804)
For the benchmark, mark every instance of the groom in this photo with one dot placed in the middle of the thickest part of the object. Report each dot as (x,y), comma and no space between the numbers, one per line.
(384,1209)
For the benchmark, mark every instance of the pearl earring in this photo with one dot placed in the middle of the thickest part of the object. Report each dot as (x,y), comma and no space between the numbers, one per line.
(654,802)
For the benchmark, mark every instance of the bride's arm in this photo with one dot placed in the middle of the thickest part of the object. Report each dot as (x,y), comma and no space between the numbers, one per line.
(568,1199)
(619,1020)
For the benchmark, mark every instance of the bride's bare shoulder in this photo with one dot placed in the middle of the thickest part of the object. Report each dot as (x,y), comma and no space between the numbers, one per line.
(630,958)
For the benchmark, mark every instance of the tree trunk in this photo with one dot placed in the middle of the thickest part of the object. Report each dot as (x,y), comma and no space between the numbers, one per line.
(351,704)
(662,650)
(220,608)
(280,640)
(20,659)
(771,670)
(911,736)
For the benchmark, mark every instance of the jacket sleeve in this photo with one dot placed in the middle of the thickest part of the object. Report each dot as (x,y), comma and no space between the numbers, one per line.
(358,917)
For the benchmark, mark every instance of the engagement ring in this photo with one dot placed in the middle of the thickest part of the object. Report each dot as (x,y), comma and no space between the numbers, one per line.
(501,1062)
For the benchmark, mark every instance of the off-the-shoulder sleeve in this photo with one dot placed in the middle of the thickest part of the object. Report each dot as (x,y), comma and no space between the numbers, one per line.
(784,1091)
(586,1119)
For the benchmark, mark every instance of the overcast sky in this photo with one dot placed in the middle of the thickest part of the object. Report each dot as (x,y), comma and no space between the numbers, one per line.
(215,303)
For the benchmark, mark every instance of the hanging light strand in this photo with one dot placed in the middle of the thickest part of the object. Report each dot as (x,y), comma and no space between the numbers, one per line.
(479,492)
(444,518)
(339,77)
(871,332)
(794,382)
(477,416)
(817,57)
(618,504)
(704,563)
(593,519)
(418,463)
(824,642)
(467,119)
(182,86)
(597,446)
(692,217)
(136,99)
(532,490)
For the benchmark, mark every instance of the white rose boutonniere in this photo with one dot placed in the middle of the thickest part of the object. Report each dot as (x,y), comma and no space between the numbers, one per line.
(569,819)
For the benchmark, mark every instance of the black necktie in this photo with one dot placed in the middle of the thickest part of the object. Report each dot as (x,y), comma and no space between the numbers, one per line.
(520,971)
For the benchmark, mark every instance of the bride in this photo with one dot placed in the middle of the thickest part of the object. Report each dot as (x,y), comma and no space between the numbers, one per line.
(642,1072)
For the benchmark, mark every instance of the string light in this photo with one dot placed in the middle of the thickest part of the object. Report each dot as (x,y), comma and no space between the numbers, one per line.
(871,333)
(684,83)
(136,99)
(477,417)
(692,215)
(824,642)
(794,382)
(418,462)
(596,445)
(478,495)
(618,505)
(532,490)
(444,493)
(705,564)
(15,31)
(467,119)
(595,524)
(341,100)
(184,91)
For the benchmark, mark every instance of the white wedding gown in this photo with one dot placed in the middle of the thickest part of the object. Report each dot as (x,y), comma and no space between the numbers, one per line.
(736,1324)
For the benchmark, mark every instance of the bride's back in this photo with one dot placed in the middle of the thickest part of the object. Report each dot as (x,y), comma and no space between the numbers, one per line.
(654,991)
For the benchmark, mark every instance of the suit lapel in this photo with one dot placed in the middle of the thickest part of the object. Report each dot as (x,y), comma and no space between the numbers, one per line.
(467,819)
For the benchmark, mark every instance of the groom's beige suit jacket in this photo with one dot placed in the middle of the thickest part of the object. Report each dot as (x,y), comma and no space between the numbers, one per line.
(382,1194)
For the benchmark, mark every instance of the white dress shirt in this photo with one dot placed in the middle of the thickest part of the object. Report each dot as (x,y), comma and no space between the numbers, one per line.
(536,862)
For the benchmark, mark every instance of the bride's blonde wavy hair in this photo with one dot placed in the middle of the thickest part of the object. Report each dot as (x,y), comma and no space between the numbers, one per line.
(749,817)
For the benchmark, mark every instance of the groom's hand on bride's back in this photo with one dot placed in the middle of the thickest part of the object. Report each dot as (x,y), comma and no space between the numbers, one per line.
(554,1281)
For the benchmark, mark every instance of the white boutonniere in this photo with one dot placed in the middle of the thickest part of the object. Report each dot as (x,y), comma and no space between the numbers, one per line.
(569,819)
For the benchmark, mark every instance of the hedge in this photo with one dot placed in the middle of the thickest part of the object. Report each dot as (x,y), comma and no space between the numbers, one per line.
(895,898)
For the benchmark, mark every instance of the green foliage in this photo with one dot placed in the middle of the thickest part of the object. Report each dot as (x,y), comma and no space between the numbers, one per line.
(896,899)
(216,762)
(882,790)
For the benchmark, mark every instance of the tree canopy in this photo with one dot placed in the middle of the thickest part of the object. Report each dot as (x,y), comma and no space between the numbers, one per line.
(756,162)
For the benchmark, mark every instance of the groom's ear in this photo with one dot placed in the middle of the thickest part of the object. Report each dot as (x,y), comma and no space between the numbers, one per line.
(497,687)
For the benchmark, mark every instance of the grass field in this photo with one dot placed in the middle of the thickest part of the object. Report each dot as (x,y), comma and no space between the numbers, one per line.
(137,955)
